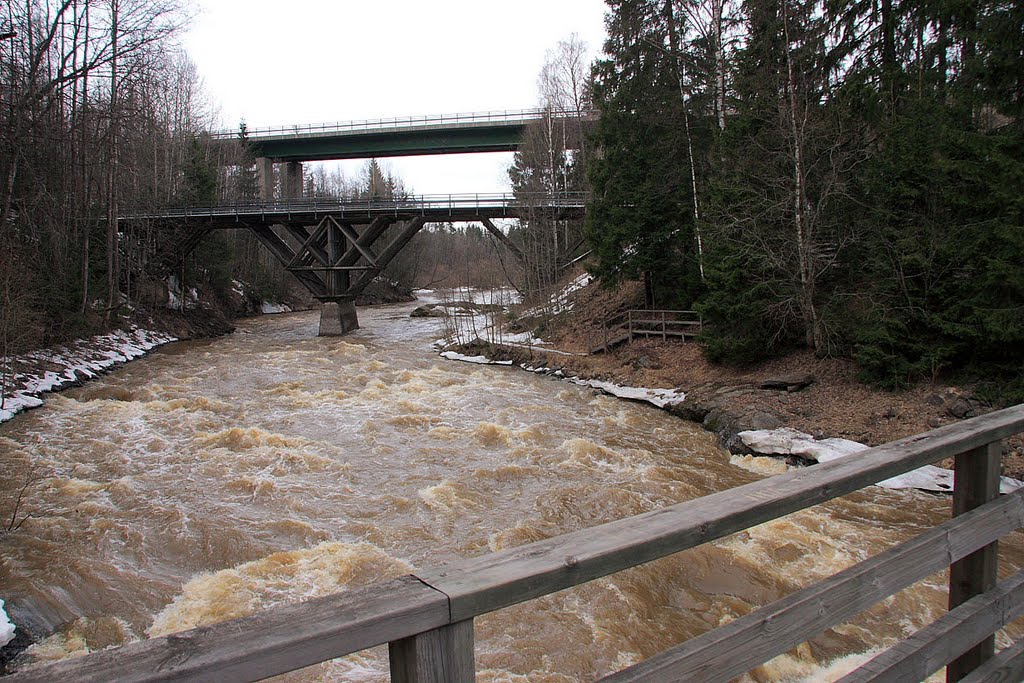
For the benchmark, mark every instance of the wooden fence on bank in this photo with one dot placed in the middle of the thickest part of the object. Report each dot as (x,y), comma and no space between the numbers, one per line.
(427,618)
(663,324)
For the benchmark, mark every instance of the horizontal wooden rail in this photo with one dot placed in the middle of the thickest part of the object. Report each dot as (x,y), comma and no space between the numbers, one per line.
(428,617)
(497,580)
(948,637)
(266,643)
(1005,667)
(740,645)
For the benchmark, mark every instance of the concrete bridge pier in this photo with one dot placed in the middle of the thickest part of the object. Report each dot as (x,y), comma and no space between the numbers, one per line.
(290,175)
(291,182)
(265,178)
(338,317)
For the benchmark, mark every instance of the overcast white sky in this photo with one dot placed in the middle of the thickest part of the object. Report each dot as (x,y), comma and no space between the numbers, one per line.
(312,61)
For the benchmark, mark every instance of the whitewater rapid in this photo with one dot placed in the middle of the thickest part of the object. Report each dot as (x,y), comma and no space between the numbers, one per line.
(216,478)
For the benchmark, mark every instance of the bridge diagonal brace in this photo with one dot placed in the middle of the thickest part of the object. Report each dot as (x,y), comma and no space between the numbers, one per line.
(385,257)
(279,248)
(503,238)
(309,244)
(369,236)
(354,239)
(566,256)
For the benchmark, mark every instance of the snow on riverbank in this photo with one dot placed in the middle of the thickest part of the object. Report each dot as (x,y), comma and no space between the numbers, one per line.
(28,376)
(561,301)
(479,360)
(656,397)
(6,627)
(764,442)
(788,441)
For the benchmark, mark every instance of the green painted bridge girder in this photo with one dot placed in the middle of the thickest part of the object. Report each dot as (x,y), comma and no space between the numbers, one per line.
(493,131)
(392,143)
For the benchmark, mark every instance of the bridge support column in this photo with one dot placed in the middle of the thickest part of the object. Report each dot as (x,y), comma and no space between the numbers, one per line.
(338,317)
(265,178)
(291,186)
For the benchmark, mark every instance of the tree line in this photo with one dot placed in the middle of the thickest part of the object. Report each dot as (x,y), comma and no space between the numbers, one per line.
(841,176)
(98,110)
(101,111)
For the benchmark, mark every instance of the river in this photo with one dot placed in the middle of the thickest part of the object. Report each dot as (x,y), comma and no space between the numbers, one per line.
(217,477)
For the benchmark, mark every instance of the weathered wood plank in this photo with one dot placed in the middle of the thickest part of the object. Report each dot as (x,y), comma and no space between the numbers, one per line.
(1006,667)
(740,645)
(977,482)
(497,580)
(945,639)
(444,655)
(264,644)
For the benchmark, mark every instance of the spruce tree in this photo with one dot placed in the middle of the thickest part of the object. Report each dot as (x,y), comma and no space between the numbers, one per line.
(640,222)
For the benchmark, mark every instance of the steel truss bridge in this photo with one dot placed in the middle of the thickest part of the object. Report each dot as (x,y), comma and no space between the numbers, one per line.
(336,248)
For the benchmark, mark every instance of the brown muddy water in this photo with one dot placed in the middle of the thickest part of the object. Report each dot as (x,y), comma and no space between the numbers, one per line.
(215,478)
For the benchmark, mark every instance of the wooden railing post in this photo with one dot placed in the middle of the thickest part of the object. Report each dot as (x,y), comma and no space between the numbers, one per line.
(443,655)
(976,483)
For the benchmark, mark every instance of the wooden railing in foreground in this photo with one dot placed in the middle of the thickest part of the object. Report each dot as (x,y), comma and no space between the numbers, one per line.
(428,618)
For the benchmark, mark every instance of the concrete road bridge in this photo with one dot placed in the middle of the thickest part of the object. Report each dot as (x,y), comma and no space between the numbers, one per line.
(335,248)
(488,131)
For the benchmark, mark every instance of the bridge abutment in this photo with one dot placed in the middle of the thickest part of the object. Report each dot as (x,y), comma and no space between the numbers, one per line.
(338,318)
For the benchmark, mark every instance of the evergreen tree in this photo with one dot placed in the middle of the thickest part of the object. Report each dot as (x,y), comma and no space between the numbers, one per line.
(640,222)
(247,183)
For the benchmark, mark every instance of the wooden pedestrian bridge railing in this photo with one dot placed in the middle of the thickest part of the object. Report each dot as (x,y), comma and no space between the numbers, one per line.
(427,618)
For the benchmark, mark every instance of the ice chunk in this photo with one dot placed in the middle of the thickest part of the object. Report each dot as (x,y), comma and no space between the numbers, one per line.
(7,627)
(789,441)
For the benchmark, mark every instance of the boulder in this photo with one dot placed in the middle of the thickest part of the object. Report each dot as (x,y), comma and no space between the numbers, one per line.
(427,311)
(794,382)
(961,409)
(764,420)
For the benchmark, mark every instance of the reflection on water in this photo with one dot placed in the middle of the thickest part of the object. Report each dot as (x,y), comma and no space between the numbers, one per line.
(221,477)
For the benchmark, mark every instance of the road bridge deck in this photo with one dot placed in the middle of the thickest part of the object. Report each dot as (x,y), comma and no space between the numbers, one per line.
(491,131)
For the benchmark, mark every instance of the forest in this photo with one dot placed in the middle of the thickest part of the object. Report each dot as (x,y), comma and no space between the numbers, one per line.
(843,176)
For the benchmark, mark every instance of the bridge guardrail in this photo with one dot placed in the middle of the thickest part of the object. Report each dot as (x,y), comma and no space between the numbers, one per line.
(416,204)
(510,116)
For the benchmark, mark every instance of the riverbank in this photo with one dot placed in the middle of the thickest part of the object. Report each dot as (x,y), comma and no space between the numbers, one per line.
(818,396)
(25,378)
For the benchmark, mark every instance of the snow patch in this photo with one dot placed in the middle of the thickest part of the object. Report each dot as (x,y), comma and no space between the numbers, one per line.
(657,397)
(7,627)
(269,307)
(176,299)
(789,441)
(559,302)
(84,358)
(479,360)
